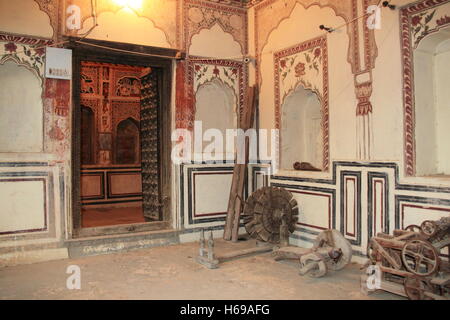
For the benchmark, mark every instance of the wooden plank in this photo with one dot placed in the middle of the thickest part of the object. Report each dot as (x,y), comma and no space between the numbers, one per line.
(235,203)
(441,281)
(245,253)
(384,253)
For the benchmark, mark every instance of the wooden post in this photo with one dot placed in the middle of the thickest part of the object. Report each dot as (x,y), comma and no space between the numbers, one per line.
(236,201)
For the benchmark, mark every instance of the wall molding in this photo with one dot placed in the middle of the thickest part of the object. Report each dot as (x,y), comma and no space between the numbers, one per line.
(53,177)
(381,178)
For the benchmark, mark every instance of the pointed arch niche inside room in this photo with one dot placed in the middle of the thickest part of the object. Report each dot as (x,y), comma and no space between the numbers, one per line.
(121,137)
(301,130)
(216,108)
(432,108)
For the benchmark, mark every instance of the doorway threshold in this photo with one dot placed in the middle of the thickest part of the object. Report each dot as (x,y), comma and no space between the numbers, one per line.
(121,229)
(106,244)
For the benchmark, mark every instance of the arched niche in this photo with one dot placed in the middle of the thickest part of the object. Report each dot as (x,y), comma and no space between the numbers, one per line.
(24,17)
(126,26)
(87,136)
(432,104)
(216,108)
(128,142)
(215,43)
(301,129)
(21,120)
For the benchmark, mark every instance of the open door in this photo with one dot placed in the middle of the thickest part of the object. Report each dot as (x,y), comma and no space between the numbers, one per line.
(150,139)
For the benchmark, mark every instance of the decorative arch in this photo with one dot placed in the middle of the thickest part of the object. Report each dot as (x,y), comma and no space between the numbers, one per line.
(231,43)
(409,18)
(301,137)
(201,15)
(22,111)
(127,142)
(264,27)
(88,135)
(116,11)
(51,8)
(21,63)
(220,83)
(230,72)
(216,107)
(300,77)
(32,57)
(158,18)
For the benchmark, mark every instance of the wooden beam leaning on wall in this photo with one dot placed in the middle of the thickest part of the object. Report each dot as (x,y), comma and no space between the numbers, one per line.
(235,204)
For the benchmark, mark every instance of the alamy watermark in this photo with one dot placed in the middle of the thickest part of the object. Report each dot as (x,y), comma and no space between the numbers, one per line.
(230,145)
(374,277)
(73,282)
(374,17)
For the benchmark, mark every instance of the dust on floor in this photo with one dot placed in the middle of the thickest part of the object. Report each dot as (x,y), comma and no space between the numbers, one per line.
(172,273)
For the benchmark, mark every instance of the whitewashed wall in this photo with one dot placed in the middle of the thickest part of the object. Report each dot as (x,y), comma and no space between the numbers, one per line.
(359,197)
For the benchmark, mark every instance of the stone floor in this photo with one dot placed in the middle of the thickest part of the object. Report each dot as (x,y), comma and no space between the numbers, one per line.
(172,273)
(100,217)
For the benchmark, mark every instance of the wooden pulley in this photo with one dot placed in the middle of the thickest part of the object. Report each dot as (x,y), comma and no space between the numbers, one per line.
(269,210)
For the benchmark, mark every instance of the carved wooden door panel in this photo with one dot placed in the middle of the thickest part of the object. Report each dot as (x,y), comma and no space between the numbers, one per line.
(150,102)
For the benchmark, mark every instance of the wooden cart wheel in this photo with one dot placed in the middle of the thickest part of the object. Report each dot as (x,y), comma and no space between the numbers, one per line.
(420,258)
(414,228)
(415,288)
(429,228)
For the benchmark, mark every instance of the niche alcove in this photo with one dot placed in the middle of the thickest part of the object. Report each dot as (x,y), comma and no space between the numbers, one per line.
(432,102)
(21,123)
(216,109)
(301,129)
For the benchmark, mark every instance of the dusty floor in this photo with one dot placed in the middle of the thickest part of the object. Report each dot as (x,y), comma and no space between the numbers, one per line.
(172,273)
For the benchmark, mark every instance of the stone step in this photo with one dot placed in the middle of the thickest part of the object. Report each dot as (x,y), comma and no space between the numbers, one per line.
(90,246)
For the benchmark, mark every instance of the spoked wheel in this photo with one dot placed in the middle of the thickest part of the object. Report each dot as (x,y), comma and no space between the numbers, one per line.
(415,288)
(420,258)
(266,210)
(429,228)
(414,228)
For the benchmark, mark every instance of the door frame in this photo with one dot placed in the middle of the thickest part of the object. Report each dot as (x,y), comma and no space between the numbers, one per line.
(135,55)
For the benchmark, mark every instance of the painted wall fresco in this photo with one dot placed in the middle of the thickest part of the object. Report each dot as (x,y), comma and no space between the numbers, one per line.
(201,15)
(113,93)
(231,74)
(151,23)
(24,51)
(362,50)
(366,84)
(33,18)
(306,65)
(417,21)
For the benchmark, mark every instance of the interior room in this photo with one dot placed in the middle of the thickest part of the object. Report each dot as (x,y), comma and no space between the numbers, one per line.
(279,149)
(110,145)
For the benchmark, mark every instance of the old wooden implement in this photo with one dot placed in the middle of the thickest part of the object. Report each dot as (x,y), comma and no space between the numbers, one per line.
(331,251)
(236,201)
(410,261)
